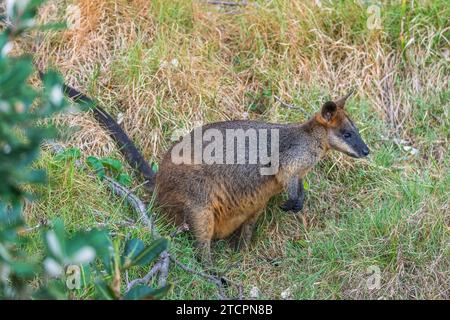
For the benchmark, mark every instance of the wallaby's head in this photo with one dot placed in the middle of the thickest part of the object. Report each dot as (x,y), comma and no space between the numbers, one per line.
(342,133)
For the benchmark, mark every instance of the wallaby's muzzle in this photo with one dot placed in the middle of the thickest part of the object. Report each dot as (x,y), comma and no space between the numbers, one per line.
(355,145)
(359,146)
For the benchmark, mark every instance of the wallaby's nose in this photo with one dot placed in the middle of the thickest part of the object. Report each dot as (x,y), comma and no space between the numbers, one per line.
(365,152)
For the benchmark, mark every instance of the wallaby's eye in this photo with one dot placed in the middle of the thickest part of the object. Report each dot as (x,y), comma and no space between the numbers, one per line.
(347,135)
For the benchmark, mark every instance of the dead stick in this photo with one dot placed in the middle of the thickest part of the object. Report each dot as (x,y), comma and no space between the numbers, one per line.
(227,3)
(135,202)
(218,281)
(289,106)
(146,279)
(164,270)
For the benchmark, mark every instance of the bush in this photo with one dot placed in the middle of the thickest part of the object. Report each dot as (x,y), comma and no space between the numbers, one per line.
(94,252)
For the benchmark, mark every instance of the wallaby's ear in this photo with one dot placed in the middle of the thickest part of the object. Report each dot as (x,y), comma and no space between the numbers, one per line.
(329,110)
(340,103)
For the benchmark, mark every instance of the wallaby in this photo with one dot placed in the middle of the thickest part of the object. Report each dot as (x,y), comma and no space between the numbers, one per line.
(217,200)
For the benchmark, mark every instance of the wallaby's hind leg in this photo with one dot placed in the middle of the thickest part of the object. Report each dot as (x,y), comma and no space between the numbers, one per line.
(243,238)
(204,252)
(296,196)
(202,225)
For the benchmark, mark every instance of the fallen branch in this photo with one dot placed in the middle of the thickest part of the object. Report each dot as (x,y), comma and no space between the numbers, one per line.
(228,3)
(29,229)
(164,269)
(181,229)
(138,205)
(220,282)
(135,202)
(289,106)
(146,279)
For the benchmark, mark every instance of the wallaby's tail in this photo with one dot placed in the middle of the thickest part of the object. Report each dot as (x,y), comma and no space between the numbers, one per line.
(127,147)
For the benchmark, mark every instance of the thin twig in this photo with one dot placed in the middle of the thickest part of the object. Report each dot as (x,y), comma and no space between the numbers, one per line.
(289,106)
(199,273)
(164,270)
(135,202)
(227,3)
(146,279)
(29,229)
(220,282)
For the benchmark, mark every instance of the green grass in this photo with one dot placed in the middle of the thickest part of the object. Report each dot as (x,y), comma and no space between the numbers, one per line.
(389,211)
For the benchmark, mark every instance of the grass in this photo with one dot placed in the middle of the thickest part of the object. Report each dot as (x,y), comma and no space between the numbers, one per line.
(169,65)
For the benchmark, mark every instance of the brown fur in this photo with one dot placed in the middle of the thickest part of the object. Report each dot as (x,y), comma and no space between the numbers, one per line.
(219,200)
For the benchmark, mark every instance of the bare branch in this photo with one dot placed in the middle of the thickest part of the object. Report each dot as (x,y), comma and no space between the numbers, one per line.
(181,229)
(289,106)
(135,202)
(227,3)
(164,270)
(220,282)
(29,229)
(146,279)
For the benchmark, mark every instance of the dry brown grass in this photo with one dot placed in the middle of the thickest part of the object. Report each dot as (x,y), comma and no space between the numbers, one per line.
(301,50)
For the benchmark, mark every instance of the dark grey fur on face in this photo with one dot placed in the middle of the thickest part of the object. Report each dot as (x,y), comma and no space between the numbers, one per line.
(347,139)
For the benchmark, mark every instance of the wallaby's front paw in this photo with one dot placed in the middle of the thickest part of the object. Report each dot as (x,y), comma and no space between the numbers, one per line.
(292,205)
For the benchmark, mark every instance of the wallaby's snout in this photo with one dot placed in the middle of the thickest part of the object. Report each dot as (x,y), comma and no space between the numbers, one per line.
(343,135)
(365,151)
(360,149)
(354,144)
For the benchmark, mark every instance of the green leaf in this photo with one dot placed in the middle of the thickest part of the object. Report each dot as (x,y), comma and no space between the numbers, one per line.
(86,275)
(97,166)
(36,176)
(55,240)
(104,291)
(305,184)
(141,292)
(54,290)
(124,179)
(151,252)
(85,241)
(133,247)
(69,154)
(107,261)
(112,164)
(24,269)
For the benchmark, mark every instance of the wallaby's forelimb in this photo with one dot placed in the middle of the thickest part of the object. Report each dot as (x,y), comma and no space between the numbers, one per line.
(296,196)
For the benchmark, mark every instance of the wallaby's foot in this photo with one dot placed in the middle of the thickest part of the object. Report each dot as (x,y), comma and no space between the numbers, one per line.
(234,239)
(241,242)
(204,254)
(202,225)
(293,205)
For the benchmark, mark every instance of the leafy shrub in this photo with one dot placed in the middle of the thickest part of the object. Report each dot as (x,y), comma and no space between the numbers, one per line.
(93,252)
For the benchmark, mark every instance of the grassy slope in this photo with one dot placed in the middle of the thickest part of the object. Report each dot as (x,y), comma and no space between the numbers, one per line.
(390,211)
